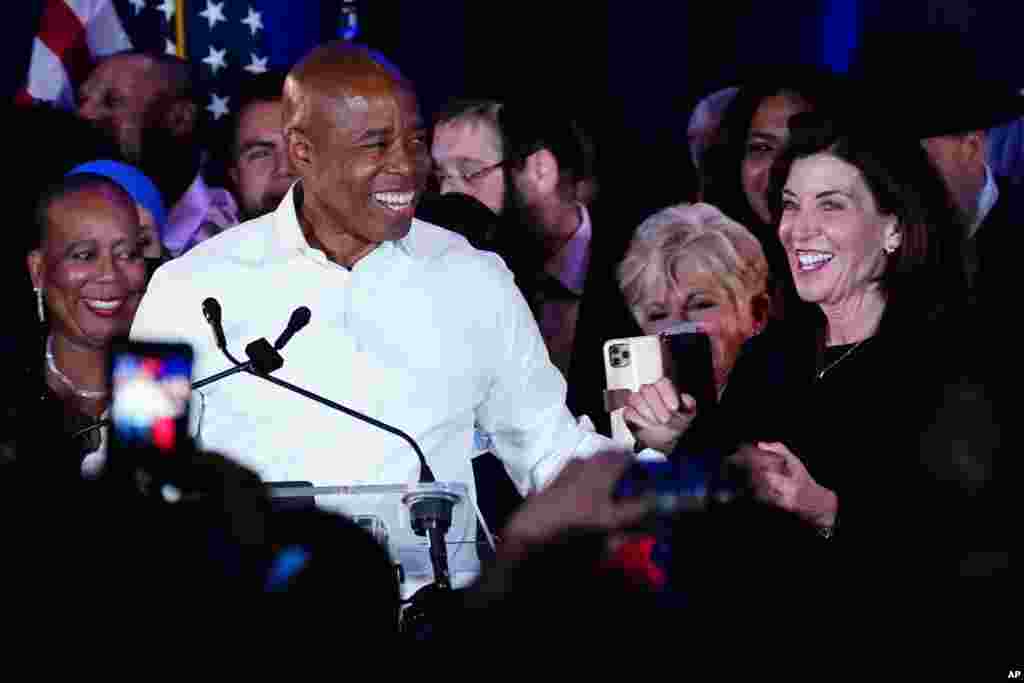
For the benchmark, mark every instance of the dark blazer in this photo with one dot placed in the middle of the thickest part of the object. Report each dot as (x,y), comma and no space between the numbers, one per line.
(603,316)
(857,429)
(997,244)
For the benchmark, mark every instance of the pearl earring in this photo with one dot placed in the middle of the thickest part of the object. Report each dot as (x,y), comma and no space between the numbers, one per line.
(40,305)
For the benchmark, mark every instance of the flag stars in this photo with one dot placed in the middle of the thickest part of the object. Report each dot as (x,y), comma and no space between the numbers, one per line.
(216,59)
(139,5)
(213,13)
(218,106)
(257,65)
(254,21)
(170,48)
(167,7)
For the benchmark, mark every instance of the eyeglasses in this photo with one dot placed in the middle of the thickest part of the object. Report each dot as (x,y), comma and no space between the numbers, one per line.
(467,178)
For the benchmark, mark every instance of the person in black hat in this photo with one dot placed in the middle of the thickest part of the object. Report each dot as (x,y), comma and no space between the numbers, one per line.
(952,128)
(956,143)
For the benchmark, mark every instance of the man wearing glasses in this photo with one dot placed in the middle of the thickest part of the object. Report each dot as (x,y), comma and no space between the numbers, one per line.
(532,173)
(467,152)
(527,167)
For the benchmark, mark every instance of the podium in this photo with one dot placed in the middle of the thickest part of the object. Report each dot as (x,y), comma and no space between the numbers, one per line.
(384,511)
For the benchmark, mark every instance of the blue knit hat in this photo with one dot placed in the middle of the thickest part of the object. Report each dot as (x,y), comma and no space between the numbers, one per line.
(135,182)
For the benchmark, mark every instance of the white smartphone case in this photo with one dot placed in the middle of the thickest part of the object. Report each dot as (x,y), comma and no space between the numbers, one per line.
(630,363)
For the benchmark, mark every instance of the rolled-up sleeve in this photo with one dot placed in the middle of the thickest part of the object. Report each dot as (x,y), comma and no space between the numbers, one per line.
(533,432)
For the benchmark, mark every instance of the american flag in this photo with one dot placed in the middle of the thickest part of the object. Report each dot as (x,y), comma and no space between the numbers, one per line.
(224,39)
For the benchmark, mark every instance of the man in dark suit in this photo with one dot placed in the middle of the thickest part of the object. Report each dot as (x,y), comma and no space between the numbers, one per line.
(941,92)
(991,207)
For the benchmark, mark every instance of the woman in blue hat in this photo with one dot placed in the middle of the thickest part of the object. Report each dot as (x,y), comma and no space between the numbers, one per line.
(148,200)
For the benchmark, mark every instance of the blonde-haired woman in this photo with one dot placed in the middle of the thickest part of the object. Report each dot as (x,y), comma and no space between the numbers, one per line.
(691,263)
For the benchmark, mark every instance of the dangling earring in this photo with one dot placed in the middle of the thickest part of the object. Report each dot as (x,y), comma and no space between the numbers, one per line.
(41,306)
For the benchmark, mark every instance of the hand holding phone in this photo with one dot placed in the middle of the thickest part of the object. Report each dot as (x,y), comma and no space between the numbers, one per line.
(656,383)
(659,414)
(149,411)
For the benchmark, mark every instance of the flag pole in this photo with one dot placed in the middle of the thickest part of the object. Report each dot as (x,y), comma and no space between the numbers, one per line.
(180,21)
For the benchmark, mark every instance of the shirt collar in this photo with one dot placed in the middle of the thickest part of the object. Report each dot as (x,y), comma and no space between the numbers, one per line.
(986,200)
(569,265)
(289,241)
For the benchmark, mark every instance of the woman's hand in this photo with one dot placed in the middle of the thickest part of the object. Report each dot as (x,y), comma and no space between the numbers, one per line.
(779,478)
(658,415)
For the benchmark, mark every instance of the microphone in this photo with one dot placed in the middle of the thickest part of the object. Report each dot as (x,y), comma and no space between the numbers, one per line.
(300,318)
(263,359)
(212,313)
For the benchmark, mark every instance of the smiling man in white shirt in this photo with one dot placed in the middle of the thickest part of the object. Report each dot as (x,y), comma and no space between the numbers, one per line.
(410,324)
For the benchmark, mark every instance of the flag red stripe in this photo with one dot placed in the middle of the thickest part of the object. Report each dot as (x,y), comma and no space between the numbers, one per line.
(61,30)
(23,99)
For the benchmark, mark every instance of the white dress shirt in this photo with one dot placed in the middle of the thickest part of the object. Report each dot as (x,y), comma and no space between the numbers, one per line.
(986,200)
(425,333)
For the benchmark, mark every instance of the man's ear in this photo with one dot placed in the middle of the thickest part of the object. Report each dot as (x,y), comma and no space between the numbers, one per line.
(233,173)
(761,311)
(300,150)
(34,260)
(893,235)
(180,117)
(974,148)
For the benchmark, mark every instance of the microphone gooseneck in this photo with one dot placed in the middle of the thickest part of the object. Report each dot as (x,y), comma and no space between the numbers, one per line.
(264,359)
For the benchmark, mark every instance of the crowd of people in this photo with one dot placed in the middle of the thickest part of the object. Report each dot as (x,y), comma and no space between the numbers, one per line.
(463,274)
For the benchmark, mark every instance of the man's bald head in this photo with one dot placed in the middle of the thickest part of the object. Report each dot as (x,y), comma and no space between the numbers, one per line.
(355,137)
(130,92)
(335,78)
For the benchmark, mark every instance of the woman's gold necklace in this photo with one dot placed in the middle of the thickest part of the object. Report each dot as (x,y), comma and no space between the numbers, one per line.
(841,358)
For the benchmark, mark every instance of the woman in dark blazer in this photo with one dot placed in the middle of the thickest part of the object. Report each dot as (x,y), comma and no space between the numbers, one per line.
(825,412)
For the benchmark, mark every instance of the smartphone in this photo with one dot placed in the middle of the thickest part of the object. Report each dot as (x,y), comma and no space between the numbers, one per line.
(151,386)
(694,483)
(689,363)
(629,363)
(681,352)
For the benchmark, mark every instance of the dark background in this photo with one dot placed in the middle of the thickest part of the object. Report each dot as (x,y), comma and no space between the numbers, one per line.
(631,71)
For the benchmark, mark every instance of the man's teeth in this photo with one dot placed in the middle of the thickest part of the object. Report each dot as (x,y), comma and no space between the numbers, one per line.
(394,200)
(813,259)
(104,305)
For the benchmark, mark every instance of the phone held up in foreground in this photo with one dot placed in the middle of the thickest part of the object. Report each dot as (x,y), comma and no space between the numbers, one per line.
(151,388)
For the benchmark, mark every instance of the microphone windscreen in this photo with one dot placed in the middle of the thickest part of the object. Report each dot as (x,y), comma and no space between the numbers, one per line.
(300,317)
(211,309)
